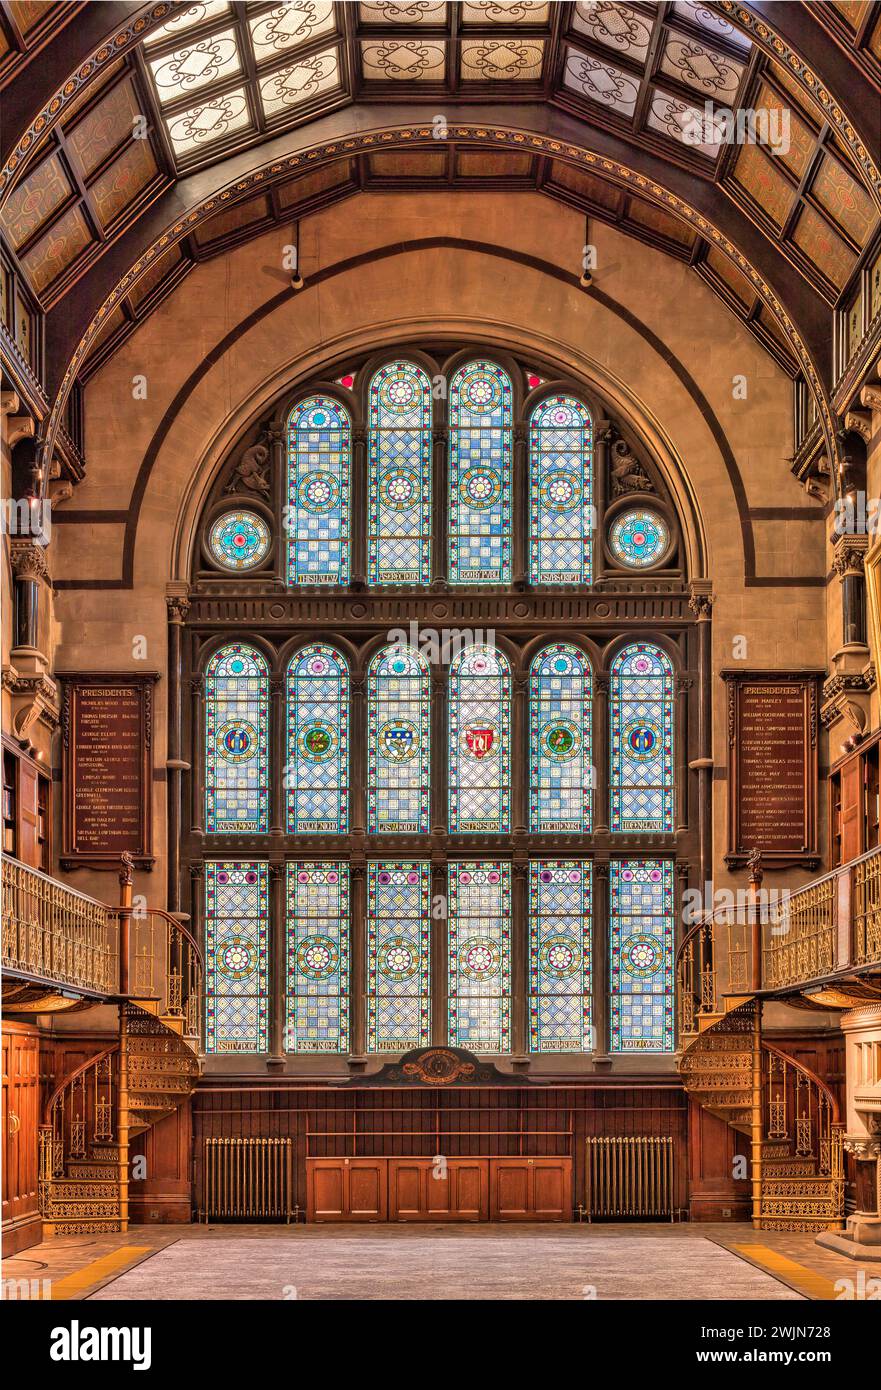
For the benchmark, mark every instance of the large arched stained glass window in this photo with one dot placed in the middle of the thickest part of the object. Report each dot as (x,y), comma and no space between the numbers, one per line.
(480,741)
(480,474)
(561,518)
(561,774)
(398,742)
(236,741)
(399,476)
(318,493)
(236,956)
(641,742)
(317,769)
(641,976)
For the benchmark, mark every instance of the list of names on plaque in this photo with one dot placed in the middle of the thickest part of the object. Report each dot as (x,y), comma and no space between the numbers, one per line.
(772,767)
(108,775)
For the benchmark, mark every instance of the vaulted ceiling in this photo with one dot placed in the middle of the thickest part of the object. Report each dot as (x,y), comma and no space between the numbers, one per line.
(138,140)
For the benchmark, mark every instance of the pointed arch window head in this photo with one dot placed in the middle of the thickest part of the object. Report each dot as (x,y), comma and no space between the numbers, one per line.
(318,509)
(398,742)
(317,764)
(480,741)
(481,418)
(641,740)
(237,741)
(399,476)
(561,773)
(561,513)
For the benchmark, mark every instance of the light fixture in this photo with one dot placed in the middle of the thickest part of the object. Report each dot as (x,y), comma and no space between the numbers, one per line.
(297,281)
(586,278)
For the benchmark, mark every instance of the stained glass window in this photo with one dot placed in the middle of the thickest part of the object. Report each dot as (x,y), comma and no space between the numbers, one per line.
(641,753)
(317,771)
(561,774)
(398,742)
(560,492)
(480,475)
(239,540)
(641,915)
(479,971)
(318,503)
(480,743)
(398,956)
(236,945)
(639,537)
(317,993)
(559,955)
(399,476)
(236,741)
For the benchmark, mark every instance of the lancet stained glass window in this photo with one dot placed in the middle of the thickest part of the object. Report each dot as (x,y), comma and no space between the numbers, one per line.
(236,946)
(560,492)
(479,969)
(317,992)
(559,955)
(480,744)
(317,771)
(641,918)
(398,742)
(480,474)
(561,774)
(398,956)
(236,741)
(318,501)
(399,476)
(641,740)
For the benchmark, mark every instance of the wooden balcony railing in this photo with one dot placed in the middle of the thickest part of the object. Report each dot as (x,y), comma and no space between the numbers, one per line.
(54,933)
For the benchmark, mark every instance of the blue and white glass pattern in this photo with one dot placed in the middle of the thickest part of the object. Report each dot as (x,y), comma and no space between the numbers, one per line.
(398,742)
(639,537)
(317,944)
(480,475)
(559,955)
(236,741)
(399,476)
(480,742)
(560,492)
(641,739)
(641,921)
(317,767)
(561,774)
(479,960)
(398,956)
(236,956)
(239,540)
(317,515)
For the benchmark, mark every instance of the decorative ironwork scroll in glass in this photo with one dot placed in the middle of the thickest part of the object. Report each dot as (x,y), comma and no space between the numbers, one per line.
(399,476)
(317,764)
(641,924)
(559,955)
(398,956)
(561,774)
(236,741)
(239,540)
(398,742)
(479,962)
(317,943)
(639,537)
(317,515)
(481,415)
(480,741)
(236,956)
(641,742)
(561,518)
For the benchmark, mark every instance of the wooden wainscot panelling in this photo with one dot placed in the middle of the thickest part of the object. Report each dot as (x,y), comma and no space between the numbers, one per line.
(438,1189)
(714,1192)
(346,1189)
(22,1225)
(531,1189)
(164,1154)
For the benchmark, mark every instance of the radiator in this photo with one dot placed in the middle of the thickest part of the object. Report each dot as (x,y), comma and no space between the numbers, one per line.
(248,1179)
(630,1176)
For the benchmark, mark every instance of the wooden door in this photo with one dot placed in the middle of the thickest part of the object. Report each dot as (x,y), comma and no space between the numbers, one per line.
(530,1189)
(851,810)
(22,1226)
(346,1189)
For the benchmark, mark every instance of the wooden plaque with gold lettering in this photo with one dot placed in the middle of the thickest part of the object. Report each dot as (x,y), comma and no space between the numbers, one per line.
(107,734)
(772,767)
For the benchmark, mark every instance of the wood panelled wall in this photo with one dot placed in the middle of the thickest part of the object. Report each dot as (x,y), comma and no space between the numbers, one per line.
(22,1226)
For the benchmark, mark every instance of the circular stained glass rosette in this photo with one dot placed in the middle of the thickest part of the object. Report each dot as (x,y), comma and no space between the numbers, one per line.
(235,959)
(481,392)
(560,492)
(559,958)
(400,392)
(641,955)
(399,488)
(639,538)
(318,493)
(398,740)
(642,738)
(561,740)
(479,959)
(397,961)
(317,957)
(236,741)
(317,740)
(239,540)
(480,487)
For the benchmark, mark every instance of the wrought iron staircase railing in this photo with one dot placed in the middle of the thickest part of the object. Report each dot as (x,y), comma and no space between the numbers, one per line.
(52,932)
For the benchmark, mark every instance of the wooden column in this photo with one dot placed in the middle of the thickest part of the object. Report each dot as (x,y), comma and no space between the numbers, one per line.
(197,780)
(701,604)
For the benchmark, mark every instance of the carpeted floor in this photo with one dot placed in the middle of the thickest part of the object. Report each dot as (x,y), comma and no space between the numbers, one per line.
(406,1263)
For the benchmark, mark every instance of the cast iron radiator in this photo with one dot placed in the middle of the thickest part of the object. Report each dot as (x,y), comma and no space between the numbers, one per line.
(248,1179)
(630,1176)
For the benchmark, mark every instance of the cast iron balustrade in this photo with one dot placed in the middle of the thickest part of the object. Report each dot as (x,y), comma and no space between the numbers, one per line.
(54,933)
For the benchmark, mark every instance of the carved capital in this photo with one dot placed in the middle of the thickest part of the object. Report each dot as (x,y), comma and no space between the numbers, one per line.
(178,606)
(700,599)
(849,554)
(870,397)
(29,561)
